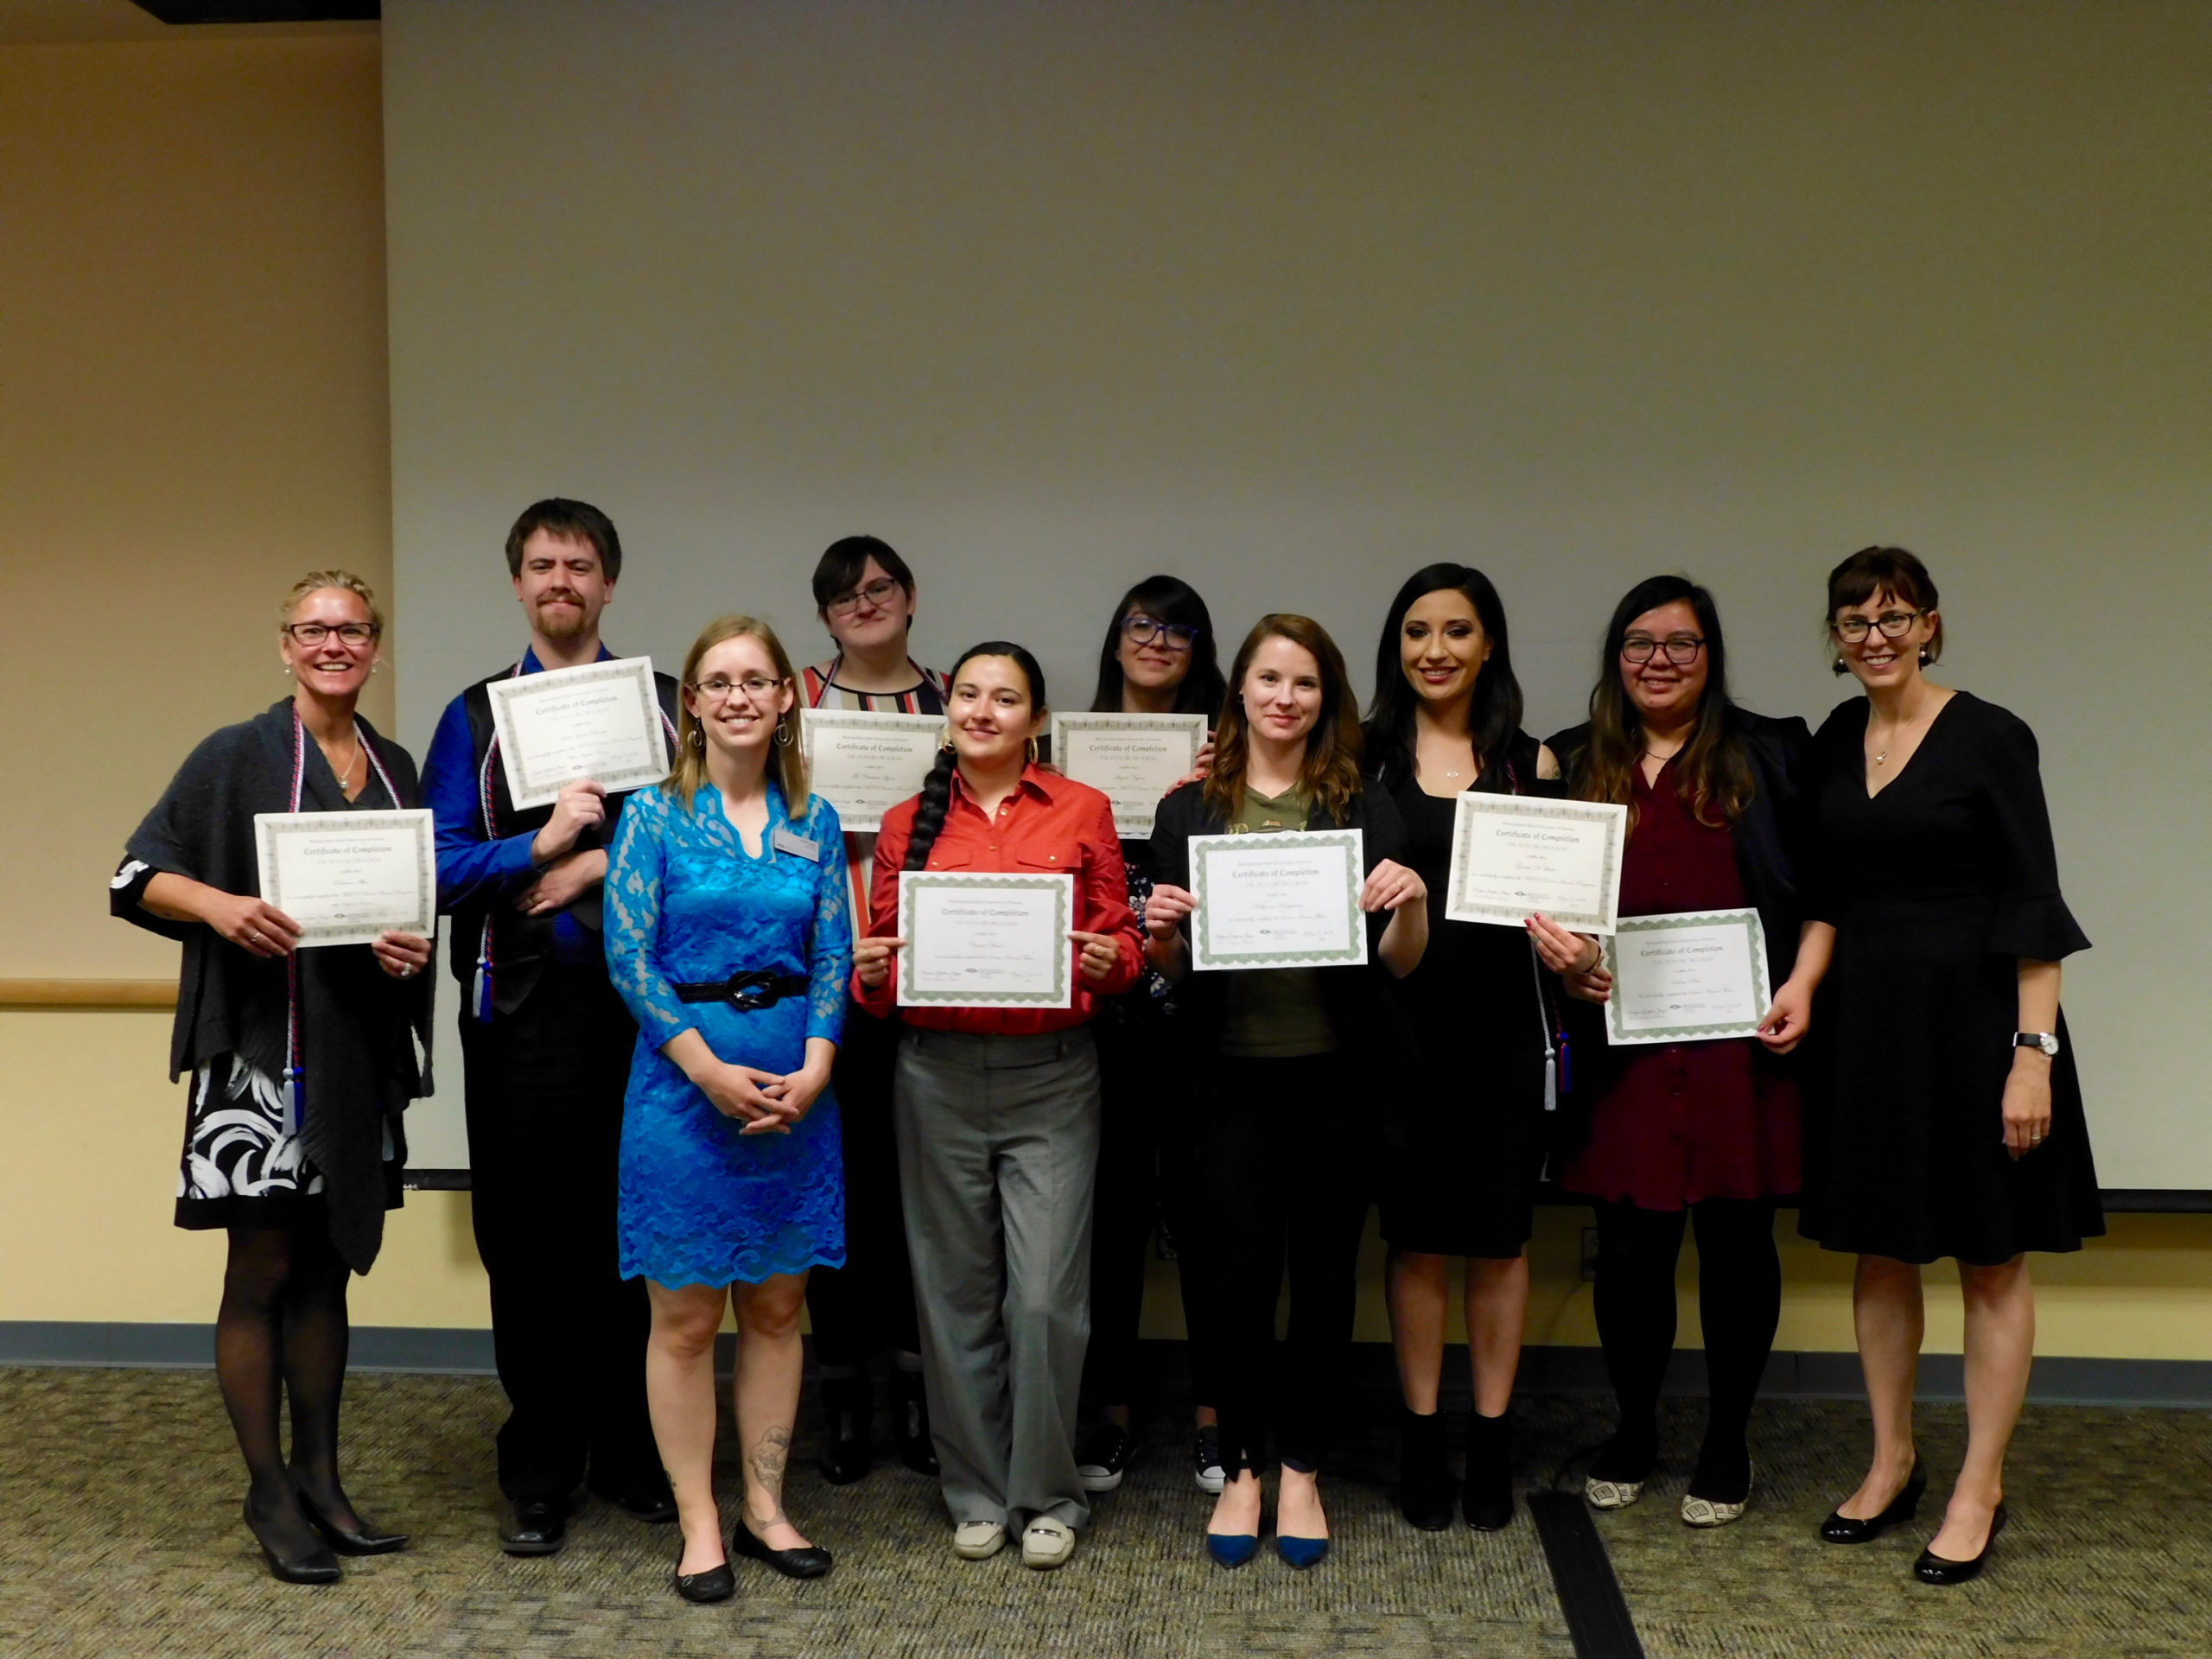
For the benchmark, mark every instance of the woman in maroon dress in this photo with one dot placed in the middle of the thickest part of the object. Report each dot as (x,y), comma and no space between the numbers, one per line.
(1709,1129)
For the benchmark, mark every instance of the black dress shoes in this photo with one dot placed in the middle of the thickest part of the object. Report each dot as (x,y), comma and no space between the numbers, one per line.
(715,1584)
(1932,1568)
(848,1409)
(1486,1496)
(656,1506)
(1425,1489)
(1840,1529)
(312,1566)
(368,1542)
(909,1410)
(534,1526)
(813,1562)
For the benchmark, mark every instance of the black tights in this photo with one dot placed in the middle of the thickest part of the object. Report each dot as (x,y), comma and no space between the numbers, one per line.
(282,1330)
(1739,1302)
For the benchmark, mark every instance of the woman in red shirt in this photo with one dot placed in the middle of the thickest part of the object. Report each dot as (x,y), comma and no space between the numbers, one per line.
(997,1115)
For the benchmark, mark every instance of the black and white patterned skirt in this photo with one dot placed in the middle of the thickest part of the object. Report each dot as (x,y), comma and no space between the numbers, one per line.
(241,1166)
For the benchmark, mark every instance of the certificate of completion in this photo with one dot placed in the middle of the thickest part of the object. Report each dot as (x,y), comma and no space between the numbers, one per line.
(983,940)
(865,764)
(1285,900)
(600,722)
(1134,758)
(1512,854)
(346,877)
(1687,978)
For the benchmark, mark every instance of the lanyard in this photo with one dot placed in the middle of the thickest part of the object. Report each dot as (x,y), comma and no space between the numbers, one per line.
(294,1069)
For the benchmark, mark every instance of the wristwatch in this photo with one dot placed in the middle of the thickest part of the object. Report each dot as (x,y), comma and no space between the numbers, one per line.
(2045,1040)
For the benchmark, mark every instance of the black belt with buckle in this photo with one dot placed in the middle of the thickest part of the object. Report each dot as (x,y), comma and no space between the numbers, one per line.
(746,992)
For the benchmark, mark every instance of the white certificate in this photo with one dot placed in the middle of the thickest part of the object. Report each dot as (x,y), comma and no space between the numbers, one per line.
(986,940)
(865,764)
(1134,758)
(346,877)
(1512,854)
(1284,900)
(600,722)
(1687,978)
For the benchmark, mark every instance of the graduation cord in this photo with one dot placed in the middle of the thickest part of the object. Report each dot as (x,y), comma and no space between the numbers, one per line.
(1558,1068)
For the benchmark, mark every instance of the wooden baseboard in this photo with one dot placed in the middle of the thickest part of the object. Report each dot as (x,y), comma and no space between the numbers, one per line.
(88,993)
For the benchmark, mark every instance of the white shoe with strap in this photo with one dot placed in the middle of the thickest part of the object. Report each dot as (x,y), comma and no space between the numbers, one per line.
(978,1541)
(1046,1543)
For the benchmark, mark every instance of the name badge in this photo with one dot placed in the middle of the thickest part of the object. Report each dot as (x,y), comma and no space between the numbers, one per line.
(785,840)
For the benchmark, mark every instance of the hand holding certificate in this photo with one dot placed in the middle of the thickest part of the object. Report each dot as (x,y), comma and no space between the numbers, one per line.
(986,940)
(1284,900)
(601,722)
(1134,759)
(865,764)
(1515,855)
(1687,978)
(347,878)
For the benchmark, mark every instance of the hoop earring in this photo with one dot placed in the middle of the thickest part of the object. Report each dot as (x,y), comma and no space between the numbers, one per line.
(1032,751)
(784,732)
(698,737)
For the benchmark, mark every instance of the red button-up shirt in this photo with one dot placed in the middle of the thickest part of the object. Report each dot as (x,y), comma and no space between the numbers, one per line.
(1050,825)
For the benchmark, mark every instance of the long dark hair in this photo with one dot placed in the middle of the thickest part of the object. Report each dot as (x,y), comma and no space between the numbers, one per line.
(1494,716)
(1164,598)
(936,788)
(1712,775)
(1329,772)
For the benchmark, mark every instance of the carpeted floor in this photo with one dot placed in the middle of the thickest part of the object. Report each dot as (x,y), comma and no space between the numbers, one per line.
(120,1535)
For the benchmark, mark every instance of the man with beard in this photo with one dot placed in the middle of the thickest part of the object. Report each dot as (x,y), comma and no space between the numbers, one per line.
(545,1044)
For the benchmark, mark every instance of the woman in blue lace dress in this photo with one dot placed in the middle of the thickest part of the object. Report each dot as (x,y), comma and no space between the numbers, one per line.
(729,935)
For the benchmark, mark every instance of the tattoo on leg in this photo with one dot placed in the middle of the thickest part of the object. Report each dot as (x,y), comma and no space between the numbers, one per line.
(766,1460)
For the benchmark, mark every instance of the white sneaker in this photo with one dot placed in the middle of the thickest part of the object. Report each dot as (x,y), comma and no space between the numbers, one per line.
(978,1541)
(1046,1543)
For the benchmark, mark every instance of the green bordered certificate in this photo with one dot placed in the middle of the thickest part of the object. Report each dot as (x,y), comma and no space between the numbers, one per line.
(1688,978)
(1284,900)
(600,722)
(1134,759)
(347,877)
(1515,855)
(986,941)
(865,763)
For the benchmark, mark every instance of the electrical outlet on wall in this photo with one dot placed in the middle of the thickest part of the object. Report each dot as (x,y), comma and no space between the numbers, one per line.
(1589,1255)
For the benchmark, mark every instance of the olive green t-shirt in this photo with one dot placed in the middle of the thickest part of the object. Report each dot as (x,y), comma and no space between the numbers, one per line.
(1275,1014)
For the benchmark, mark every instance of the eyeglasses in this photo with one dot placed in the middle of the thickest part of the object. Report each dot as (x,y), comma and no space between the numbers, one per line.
(877,593)
(757,687)
(1142,630)
(355,634)
(1894,625)
(1682,648)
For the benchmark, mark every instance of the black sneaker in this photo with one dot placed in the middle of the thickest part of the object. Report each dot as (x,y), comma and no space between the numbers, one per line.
(1207,1456)
(1102,1457)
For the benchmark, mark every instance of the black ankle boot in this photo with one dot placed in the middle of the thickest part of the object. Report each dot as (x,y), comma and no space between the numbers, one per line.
(1487,1499)
(1424,1477)
(910,1413)
(848,1410)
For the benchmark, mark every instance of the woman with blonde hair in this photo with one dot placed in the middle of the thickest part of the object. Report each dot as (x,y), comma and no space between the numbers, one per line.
(729,936)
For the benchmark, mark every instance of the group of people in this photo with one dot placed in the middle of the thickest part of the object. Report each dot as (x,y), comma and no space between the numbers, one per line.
(691,1087)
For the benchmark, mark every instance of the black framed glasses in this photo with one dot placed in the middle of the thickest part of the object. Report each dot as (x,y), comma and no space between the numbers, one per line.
(355,634)
(1142,630)
(1894,625)
(1682,648)
(757,687)
(878,593)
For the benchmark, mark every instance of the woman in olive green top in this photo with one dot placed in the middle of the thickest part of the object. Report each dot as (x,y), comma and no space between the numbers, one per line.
(1282,1060)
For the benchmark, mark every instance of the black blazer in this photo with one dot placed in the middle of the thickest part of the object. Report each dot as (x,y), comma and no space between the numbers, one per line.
(1368,1020)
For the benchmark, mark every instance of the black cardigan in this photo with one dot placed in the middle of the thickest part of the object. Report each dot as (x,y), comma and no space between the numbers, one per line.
(1368,1021)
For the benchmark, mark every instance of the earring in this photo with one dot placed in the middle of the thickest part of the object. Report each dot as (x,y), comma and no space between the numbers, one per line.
(1032,751)
(698,738)
(1924,657)
(784,732)
(1836,666)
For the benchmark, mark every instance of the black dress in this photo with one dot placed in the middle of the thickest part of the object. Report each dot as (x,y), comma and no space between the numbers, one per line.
(1470,1132)
(1937,886)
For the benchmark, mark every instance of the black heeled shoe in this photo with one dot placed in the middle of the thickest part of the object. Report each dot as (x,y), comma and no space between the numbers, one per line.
(316,1567)
(368,1542)
(1842,1528)
(1486,1496)
(811,1562)
(1932,1568)
(1425,1483)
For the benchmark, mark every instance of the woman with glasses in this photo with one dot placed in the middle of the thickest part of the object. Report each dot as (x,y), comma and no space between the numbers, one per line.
(302,1063)
(1158,659)
(1289,1074)
(864,593)
(1956,1127)
(1468,1137)
(1703,1130)
(729,936)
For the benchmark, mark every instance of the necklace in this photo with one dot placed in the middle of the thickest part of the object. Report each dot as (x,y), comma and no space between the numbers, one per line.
(350,765)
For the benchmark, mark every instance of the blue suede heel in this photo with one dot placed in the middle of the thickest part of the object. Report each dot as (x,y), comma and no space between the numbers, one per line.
(1232,1548)
(1301,1552)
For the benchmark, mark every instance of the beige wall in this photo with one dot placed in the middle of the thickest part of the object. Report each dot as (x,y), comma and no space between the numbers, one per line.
(193,411)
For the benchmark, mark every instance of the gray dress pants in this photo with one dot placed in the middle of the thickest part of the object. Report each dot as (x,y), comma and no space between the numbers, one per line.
(998,1144)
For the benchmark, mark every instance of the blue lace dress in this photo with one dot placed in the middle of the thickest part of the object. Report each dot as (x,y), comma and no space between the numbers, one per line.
(701,1204)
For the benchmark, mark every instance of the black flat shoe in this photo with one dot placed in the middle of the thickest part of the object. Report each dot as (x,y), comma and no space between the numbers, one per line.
(715,1584)
(316,1567)
(1932,1568)
(1840,1529)
(368,1542)
(534,1526)
(811,1562)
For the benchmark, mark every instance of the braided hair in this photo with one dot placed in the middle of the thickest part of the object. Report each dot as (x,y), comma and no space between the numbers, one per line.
(936,788)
